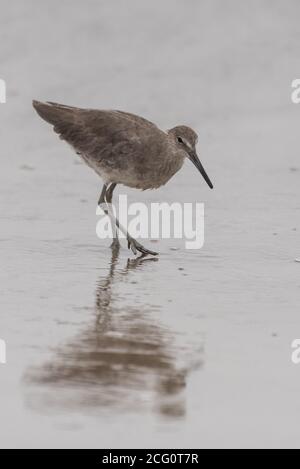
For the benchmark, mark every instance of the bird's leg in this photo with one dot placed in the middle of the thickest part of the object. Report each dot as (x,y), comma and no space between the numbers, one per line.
(133,244)
(105,199)
(108,197)
(101,201)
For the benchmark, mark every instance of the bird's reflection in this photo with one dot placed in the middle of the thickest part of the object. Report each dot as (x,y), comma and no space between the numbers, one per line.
(123,361)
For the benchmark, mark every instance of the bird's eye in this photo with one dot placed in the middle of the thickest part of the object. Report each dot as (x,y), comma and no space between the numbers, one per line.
(179,139)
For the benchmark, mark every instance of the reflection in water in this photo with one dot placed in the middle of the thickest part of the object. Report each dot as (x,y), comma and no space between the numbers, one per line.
(123,360)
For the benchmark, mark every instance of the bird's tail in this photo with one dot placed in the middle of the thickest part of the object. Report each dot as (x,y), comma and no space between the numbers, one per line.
(53,113)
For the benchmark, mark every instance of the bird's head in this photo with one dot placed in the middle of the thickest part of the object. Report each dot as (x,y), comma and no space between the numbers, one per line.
(186,139)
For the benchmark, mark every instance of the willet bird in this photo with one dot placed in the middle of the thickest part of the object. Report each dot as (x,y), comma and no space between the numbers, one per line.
(123,149)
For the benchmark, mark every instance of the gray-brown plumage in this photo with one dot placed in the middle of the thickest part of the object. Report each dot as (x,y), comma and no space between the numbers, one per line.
(123,149)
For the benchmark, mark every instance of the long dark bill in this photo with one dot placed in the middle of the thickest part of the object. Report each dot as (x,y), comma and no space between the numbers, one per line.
(195,160)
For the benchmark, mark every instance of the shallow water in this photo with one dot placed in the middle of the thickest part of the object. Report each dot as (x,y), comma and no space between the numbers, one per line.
(192,349)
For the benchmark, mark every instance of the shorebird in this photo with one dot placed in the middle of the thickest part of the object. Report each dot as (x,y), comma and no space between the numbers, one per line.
(123,148)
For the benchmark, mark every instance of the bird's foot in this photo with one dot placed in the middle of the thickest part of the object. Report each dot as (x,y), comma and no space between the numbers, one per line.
(135,246)
(115,245)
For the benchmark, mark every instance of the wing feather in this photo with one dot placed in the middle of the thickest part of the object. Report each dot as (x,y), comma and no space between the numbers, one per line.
(96,133)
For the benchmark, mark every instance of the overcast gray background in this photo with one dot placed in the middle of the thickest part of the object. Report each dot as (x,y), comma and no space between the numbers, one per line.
(193,350)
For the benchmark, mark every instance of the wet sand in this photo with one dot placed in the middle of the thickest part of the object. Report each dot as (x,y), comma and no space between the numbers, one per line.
(192,349)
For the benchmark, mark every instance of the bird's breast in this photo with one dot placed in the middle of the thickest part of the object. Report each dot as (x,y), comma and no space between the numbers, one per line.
(142,163)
